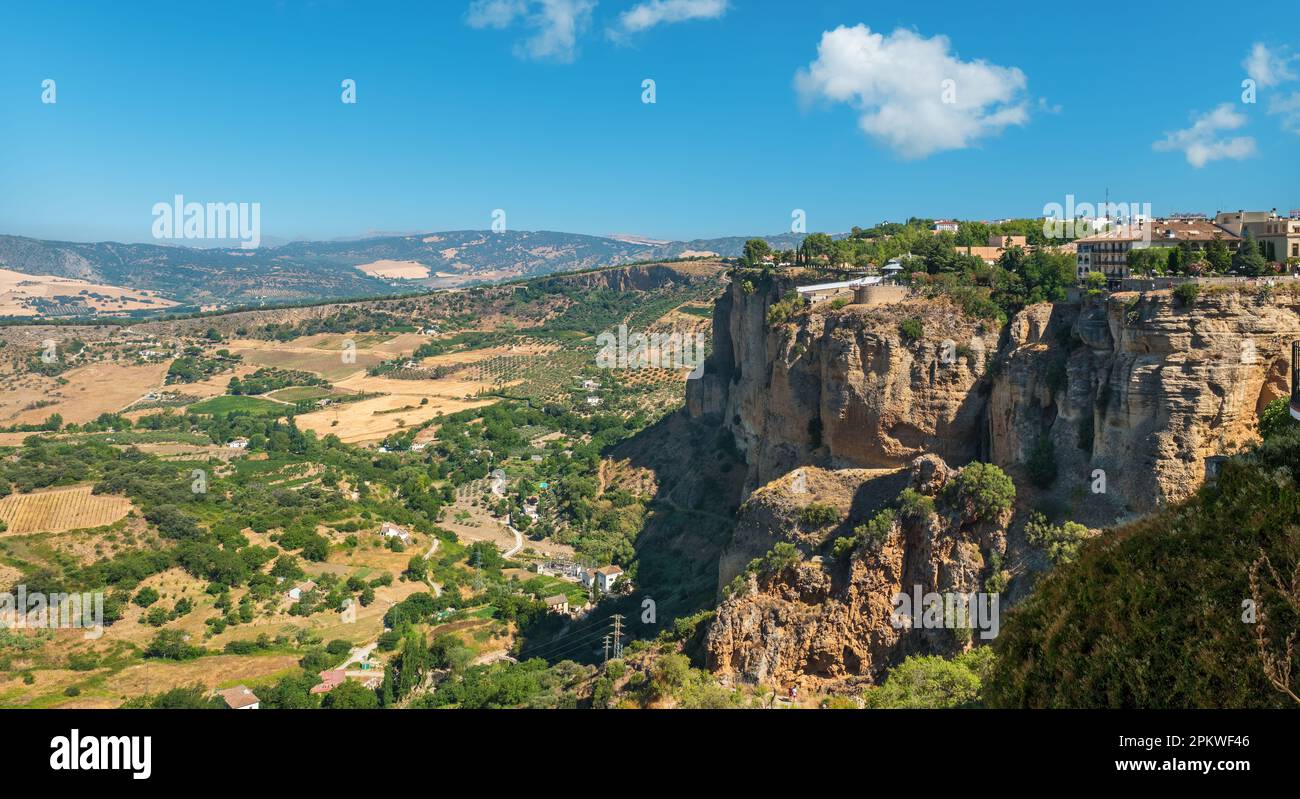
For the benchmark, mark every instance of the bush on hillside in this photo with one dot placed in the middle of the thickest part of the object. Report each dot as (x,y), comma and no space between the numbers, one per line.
(1185,608)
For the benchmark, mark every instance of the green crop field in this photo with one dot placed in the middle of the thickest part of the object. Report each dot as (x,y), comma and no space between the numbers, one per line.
(251,405)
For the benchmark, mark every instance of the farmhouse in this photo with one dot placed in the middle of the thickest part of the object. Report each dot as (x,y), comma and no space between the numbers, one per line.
(298,590)
(240,698)
(390,530)
(557,604)
(238,443)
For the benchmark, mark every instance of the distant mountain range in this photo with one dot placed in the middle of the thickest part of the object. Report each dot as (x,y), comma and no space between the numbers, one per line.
(310,270)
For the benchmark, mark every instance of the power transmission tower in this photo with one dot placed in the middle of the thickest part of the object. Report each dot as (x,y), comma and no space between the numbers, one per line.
(606,647)
(618,632)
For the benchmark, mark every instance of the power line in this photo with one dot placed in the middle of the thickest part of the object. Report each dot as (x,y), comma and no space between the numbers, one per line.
(576,645)
(561,643)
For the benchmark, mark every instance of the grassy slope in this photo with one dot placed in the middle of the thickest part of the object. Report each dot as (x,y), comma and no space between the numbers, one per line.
(1150,615)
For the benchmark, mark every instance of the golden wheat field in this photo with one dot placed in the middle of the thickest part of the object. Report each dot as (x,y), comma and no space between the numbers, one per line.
(57,509)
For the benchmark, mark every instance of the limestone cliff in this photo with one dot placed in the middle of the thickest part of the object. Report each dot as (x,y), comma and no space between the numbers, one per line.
(843,387)
(1140,387)
(830,619)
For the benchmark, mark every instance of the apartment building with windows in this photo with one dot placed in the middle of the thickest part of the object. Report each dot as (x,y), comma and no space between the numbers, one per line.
(1279,234)
(1108,252)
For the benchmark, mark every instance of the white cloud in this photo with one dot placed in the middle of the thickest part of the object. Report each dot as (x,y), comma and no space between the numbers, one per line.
(1266,67)
(556,24)
(899,85)
(494,13)
(1201,143)
(1288,107)
(646,15)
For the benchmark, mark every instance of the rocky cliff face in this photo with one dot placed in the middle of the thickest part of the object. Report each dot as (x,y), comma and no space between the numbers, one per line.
(1133,392)
(843,387)
(832,620)
(1137,386)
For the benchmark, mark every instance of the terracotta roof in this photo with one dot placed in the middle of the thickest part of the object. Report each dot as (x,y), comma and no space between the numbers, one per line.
(608,570)
(330,680)
(1166,230)
(238,697)
(558,599)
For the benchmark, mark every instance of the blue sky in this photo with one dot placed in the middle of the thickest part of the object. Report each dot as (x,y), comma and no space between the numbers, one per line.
(467,107)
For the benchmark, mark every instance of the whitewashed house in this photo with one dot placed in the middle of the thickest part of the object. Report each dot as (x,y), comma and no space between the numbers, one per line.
(603,578)
(298,590)
(390,530)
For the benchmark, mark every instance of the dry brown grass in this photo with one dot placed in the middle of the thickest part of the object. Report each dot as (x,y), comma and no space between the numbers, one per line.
(90,390)
(405,270)
(17,290)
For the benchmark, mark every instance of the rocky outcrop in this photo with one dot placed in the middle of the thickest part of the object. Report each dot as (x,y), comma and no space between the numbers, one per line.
(1142,388)
(832,619)
(1134,391)
(843,387)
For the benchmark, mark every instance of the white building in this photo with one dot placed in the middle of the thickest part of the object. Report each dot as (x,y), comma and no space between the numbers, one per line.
(297,591)
(604,578)
(390,530)
(238,443)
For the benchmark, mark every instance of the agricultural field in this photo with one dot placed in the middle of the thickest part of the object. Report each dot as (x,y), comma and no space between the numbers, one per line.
(229,404)
(59,509)
(24,295)
(198,580)
(79,394)
(306,393)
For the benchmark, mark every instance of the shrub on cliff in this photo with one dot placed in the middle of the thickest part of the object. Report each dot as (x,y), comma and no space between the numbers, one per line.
(915,504)
(984,488)
(912,329)
(1186,293)
(818,514)
(778,313)
(1276,419)
(1061,542)
(1185,608)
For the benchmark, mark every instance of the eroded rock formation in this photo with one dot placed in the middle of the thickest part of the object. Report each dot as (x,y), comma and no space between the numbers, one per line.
(832,619)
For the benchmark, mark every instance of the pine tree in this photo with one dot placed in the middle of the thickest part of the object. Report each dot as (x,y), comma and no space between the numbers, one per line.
(1248,261)
(387,698)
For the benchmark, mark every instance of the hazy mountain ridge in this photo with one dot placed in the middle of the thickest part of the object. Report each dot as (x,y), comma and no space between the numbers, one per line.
(308,270)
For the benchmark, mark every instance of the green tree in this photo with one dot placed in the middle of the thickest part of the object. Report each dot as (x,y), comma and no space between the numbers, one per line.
(1216,253)
(985,490)
(929,681)
(816,247)
(756,252)
(1247,260)
(1275,419)
(351,696)
(1060,542)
